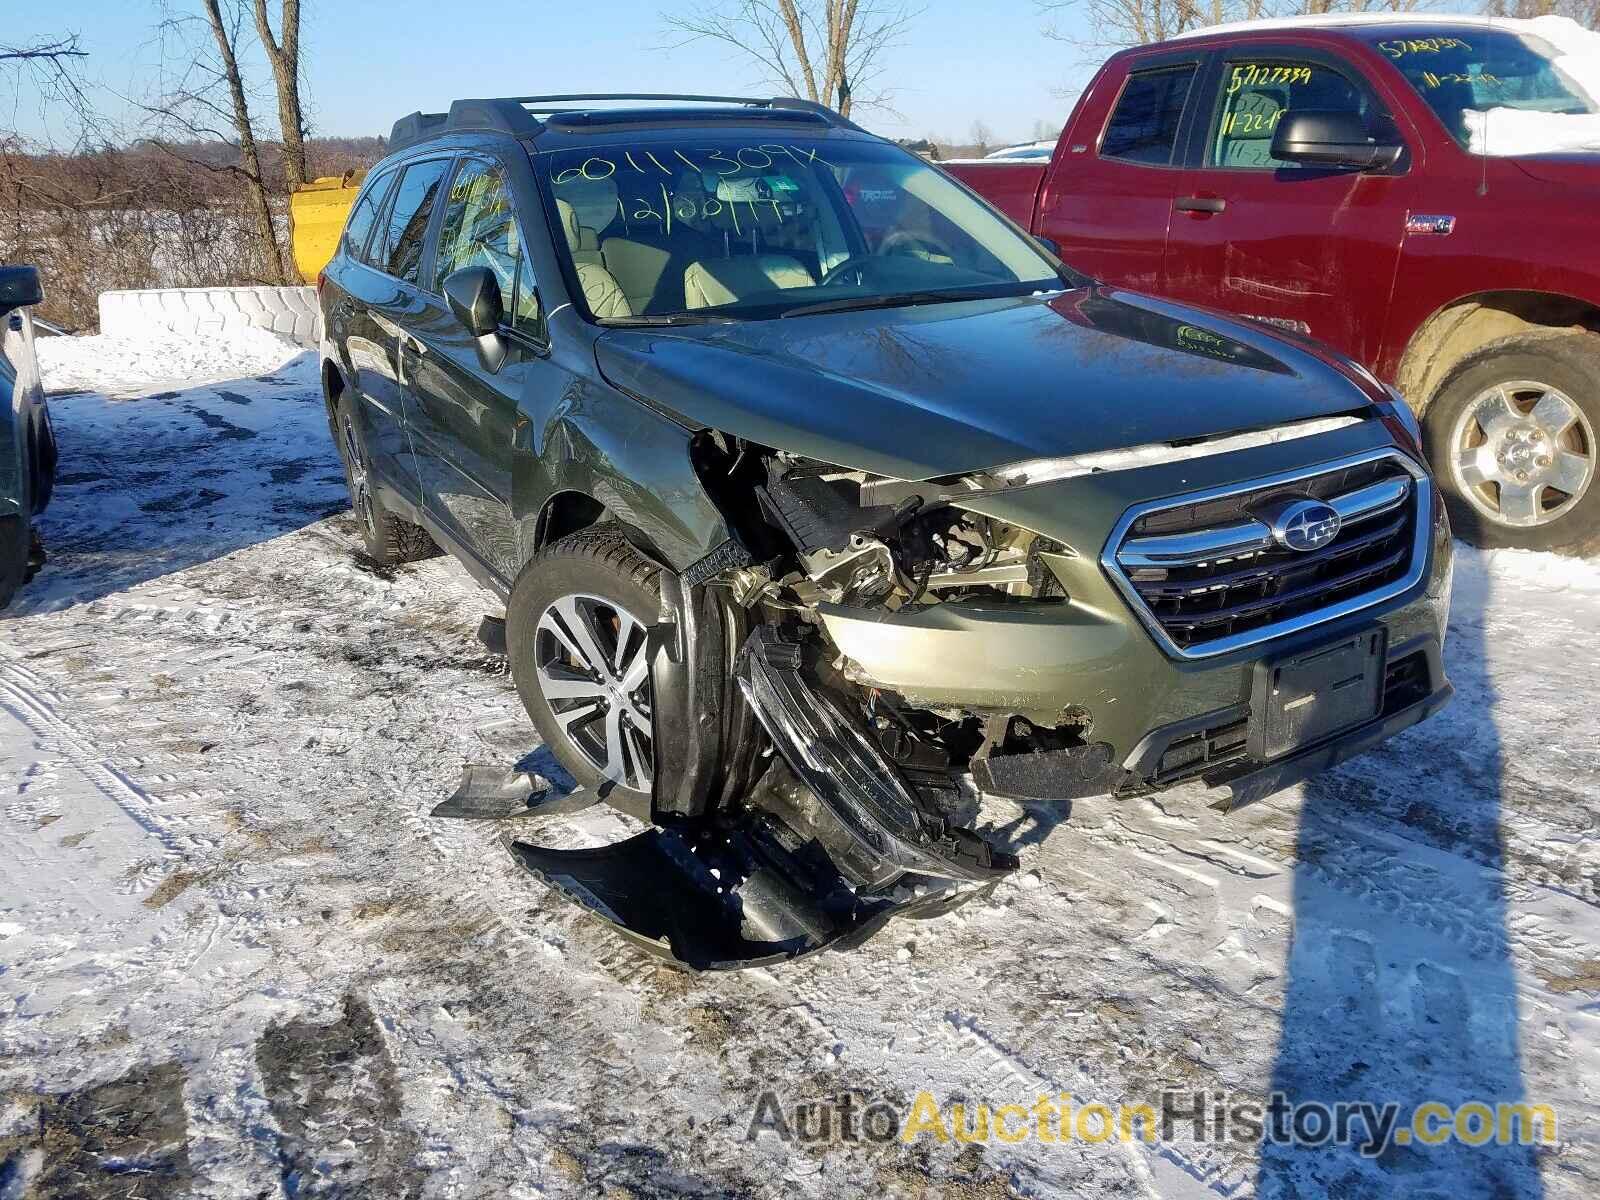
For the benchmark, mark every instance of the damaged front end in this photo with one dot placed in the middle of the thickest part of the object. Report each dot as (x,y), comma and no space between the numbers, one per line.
(797,805)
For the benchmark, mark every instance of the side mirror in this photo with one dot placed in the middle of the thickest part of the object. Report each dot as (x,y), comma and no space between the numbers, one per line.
(1320,138)
(474,297)
(19,286)
(1051,245)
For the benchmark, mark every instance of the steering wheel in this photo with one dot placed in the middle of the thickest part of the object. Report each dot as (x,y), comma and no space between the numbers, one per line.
(852,265)
(920,245)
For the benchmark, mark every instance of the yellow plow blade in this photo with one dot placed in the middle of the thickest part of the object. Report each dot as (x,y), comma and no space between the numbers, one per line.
(317,212)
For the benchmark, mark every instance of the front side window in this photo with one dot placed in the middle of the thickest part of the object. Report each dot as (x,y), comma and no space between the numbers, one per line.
(365,214)
(730,228)
(407,227)
(1465,75)
(1256,93)
(1144,125)
(480,230)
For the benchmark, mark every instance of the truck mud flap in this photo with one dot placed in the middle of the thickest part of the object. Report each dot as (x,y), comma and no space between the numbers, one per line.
(711,896)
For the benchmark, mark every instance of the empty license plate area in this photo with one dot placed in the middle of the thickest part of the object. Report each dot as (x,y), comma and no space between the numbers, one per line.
(1307,697)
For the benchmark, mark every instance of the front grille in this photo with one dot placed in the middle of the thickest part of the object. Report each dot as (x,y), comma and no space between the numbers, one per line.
(1208,575)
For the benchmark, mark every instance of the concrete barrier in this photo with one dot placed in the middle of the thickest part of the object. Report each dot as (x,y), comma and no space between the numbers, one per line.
(290,311)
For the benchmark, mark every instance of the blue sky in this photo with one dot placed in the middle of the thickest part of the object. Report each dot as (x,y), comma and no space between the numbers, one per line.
(369,62)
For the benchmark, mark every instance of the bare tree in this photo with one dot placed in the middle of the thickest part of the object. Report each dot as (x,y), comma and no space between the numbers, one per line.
(208,102)
(1117,23)
(1584,12)
(1046,131)
(982,136)
(50,70)
(829,51)
(284,54)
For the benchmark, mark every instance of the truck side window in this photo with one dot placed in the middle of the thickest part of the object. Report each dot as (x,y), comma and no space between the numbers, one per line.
(1255,95)
(408,219)
(480,230)
(1144,126)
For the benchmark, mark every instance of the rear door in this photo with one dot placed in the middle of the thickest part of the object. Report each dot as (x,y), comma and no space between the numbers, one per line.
(1307,248)
(1108,199)
(468,419)
(393,302)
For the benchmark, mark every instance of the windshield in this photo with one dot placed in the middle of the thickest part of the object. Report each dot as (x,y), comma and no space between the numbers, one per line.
(1467,73)
(719,228)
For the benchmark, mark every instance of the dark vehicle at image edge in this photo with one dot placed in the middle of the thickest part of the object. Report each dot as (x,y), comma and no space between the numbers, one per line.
(27,441)
(823,501)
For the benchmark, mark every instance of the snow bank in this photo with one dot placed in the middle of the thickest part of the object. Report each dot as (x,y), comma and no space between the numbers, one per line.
(1510,132)
(289,311)
(159,360)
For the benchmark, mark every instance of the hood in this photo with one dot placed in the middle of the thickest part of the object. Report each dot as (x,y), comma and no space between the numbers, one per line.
(928,391)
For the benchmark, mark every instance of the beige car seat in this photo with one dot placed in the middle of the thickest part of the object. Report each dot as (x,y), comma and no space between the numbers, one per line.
(713,281)
(600,287)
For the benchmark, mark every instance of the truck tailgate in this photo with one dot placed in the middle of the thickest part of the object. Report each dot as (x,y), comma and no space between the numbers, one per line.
(1012,187)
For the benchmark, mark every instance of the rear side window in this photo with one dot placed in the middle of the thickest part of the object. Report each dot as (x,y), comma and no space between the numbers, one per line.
(365,214)
(1144,125)
(407,227)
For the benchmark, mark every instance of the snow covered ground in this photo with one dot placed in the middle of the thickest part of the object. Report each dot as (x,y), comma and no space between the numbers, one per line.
(237,959)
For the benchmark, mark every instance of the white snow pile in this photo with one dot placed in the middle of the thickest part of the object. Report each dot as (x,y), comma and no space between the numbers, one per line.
(121,367)
(1512,132)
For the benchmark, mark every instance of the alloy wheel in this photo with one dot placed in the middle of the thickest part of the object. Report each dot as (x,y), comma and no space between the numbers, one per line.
(360,487)
(593,665)
(1523,453)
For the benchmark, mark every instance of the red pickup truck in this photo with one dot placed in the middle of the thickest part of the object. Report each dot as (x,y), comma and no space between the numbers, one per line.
(1390,186)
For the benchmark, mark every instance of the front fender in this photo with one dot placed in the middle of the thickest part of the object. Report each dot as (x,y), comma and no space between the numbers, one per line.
(606,445)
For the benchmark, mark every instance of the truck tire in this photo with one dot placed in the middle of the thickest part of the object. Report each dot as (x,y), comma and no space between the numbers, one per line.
(576,634)
(386,538)
(1511,434)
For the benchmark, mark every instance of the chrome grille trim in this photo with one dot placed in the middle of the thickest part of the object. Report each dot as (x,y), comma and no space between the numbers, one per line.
(1244,541)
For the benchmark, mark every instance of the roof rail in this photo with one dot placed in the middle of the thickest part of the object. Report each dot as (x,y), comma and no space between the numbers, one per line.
(518,115)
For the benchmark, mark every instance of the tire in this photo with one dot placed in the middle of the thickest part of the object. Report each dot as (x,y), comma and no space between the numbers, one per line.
(590,590)
(1509,425)
(387,539)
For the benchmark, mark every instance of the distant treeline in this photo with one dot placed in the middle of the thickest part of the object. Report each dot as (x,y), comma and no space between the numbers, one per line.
(146,215)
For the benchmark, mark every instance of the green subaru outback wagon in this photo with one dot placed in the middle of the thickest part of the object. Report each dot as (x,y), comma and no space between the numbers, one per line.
(824,503)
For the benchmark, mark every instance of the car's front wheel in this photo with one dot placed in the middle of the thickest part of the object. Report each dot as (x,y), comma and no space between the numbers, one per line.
(577,628)
(1512,433)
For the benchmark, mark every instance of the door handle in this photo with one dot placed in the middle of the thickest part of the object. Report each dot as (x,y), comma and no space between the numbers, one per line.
(1200,204)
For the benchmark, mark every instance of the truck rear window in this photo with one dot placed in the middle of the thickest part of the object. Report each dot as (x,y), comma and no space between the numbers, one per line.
(1144,125)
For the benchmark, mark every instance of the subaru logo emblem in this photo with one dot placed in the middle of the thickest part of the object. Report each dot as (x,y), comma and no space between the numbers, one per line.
(1306,525)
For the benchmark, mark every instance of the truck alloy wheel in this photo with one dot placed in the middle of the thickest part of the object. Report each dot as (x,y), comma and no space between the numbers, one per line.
(1523,453)
(1511,433)
(593,666)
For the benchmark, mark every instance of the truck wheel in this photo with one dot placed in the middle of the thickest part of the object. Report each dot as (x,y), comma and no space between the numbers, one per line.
(1511,434)
(386,538)
(576,634)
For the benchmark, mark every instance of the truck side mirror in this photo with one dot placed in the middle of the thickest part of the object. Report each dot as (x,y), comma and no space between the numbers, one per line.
(473,294)
(19,287)
(1328,138)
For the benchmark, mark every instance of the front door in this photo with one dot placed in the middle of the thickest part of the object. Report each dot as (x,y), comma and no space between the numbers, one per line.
(469,419)
(1310,249)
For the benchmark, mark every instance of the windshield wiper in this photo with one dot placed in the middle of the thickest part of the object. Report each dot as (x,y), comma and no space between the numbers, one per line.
(894,300)
(671,319)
